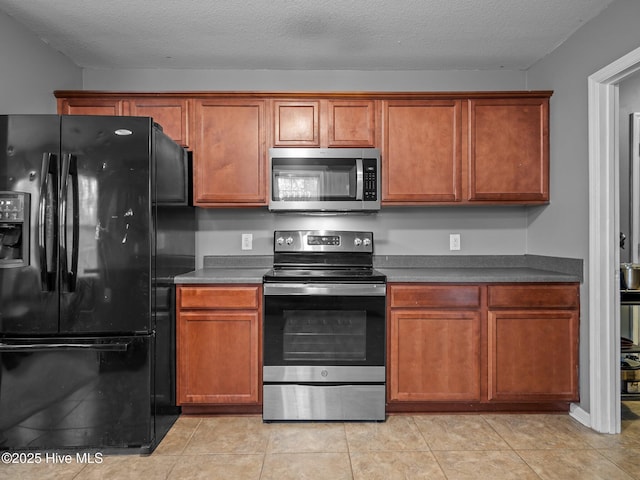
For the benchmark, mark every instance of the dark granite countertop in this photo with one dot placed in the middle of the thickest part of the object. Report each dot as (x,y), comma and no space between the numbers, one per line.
(401,268)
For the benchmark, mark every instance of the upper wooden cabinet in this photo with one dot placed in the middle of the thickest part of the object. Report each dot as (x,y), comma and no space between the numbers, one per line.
(509,150)
(91,106)
(422,150)
(475,150)
(229,151)
(352,123)
(296,124)
(438,148)
(324,123)
(171,113)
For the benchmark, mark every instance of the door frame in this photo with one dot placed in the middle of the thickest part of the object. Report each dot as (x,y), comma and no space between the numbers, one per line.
(604,255)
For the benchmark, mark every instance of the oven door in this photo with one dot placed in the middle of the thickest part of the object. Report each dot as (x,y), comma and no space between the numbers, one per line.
(326,333)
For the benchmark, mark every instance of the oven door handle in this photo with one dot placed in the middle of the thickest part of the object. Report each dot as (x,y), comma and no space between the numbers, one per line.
(326,289)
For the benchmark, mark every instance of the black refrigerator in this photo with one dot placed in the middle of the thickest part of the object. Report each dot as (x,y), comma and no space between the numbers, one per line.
(94,223)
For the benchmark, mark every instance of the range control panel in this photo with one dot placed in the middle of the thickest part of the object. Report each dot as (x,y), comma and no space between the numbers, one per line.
(322,241)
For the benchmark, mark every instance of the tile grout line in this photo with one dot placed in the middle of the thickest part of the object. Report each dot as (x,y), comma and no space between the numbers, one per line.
(346,440)
(435,457)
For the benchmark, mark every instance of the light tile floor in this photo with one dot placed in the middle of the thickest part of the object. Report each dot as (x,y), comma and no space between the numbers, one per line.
(450,447)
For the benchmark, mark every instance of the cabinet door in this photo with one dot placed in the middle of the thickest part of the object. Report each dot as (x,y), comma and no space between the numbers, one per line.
(533,355)
(91,106)
(421,151)
(434,356)
(296,123)
(352,123)
(218,357)
(229,153)
(509,150)
(171,113)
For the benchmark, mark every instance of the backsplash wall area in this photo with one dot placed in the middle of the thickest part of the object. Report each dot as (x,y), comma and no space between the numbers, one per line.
(397,230)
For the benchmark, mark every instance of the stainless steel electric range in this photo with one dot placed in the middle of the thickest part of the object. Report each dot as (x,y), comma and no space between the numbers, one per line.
(324,328)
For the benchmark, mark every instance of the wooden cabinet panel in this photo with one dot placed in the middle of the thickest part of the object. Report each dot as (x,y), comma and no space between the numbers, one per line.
(437,148)
(435,296)
(220,297)
(296,124)
(229,153)
(509,152)
(218,359)
(533,355)
(434,356)
(503,344)
(324,123)
(218,344)
(171,113)
(352,123)
(421,155)
(533,296)
(91,106)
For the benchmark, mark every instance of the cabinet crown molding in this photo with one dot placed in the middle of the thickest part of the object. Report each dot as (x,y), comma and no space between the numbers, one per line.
(375,95)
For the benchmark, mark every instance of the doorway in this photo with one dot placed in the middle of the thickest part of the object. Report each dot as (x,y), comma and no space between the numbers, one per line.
(604,255)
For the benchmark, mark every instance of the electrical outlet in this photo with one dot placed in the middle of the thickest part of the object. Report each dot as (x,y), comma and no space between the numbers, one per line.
(247,241)
(454,241)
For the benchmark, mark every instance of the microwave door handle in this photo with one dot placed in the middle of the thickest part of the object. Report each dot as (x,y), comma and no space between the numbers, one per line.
(359,180)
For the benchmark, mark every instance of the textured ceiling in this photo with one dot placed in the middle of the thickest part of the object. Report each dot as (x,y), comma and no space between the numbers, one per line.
(304,34)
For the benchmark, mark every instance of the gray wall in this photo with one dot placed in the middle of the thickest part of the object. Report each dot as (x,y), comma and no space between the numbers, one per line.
(31,71)
(562,228)
(397,231)
(296,80)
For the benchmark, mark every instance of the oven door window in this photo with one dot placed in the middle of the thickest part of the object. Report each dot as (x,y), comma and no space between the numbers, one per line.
(314,335)
(324,330)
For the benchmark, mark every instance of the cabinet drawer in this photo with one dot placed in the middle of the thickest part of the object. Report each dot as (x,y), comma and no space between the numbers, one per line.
(533,296)
(436,296)
(219,297)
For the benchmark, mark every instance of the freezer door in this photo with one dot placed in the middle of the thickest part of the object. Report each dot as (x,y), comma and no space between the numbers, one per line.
(76,393)
(106,229)
(29,164)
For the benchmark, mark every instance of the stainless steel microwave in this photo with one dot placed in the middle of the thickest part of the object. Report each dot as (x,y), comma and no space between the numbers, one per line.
(324,179)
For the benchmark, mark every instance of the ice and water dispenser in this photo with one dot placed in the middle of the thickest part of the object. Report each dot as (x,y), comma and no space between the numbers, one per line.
(14,229)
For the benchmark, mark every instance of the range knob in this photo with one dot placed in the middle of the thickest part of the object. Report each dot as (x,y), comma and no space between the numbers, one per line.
(366,242)
(280,241)
(357,242)
(289,240)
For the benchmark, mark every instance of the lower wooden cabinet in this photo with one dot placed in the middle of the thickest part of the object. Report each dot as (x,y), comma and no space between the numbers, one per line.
(218,344)
(533,343)
(482,346)
(434,356)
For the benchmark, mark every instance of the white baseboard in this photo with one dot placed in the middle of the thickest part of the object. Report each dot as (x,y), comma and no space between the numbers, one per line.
(581,415)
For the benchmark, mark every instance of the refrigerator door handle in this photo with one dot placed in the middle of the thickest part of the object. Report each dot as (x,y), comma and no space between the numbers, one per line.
(48,347)
(46,222)
(69,267)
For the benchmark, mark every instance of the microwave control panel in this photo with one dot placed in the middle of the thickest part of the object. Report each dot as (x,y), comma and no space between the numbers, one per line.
(370,179)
